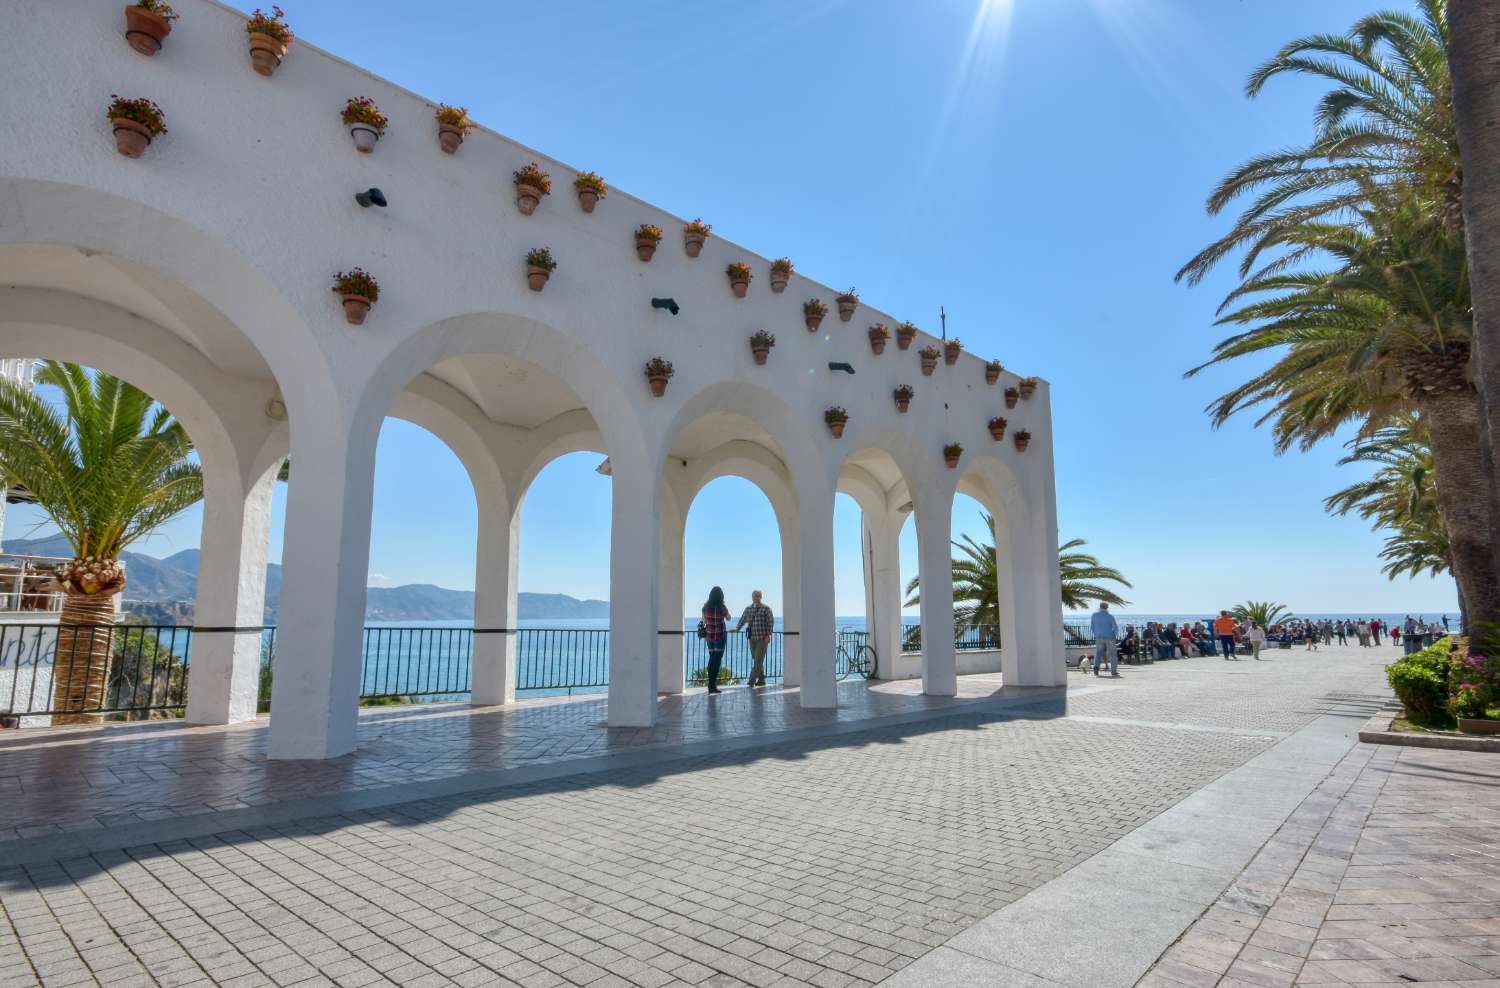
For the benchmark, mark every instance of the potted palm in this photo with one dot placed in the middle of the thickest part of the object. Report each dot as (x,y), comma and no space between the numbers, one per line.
(531,184)
(905,333)
(880,334)
(359,291)
(997,428)
(539,267)
(270,37)
(108,465)
(135,123)
(781,273)
(951,349)
(813,311)
(929,355)
(658,372)
(992,369)
(693,236)
(951,453)
(903,394)
(761,344)
(365,122)
(647,236)
(739,278)
(1023,439)
(590,188)
(147,24)
(847,302)
(1028,387)
(453,126)
(836,418)
(1012,395)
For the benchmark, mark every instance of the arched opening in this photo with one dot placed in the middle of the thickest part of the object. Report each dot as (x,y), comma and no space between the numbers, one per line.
(875,490)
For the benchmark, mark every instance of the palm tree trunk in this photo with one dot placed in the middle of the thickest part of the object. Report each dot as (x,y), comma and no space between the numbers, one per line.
(1462,487)
(80,670)
(1474,62)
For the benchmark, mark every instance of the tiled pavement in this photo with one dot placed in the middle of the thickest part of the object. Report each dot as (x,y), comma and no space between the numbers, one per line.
(1387,875)
(829,861)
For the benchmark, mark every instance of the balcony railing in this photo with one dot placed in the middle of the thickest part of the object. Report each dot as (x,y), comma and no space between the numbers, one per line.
(25,584)
(982,638)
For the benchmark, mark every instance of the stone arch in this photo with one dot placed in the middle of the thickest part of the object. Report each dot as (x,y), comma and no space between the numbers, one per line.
(805,465)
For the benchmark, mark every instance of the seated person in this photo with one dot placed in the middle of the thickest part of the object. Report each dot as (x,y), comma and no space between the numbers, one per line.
(1128,644)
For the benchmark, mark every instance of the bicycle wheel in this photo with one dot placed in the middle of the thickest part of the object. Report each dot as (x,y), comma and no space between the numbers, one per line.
(868,661)
(843,663)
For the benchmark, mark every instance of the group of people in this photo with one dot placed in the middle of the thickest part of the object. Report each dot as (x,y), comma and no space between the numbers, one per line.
(757,621)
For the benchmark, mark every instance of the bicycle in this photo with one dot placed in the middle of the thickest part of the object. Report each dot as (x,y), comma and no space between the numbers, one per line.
(856,658)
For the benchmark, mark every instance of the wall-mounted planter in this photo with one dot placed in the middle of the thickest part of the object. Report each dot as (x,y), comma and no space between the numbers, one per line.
(760,346)
(997,428)
(134,122)
(813,311)
(739,278)
(131,138)
(356,307)
(1012,395)
(531,184)
(951,350)
(905,333)
(358,291)
(1028,387)
(145,30)
(365,137)
(847,303)
(929,355)
(658,372)
(879,336)
(903,395)
(453,126)
(951,454)
(647,237)
(590,188)
(1022,440)
(836,418)
(781,273)
(270,36)
(539,267)
(992,372)
(693,236)
(365,122)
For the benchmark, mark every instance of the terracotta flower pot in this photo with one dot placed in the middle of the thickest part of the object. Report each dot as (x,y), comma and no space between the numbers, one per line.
(536,277)
(929,364)
(997,431)
(877,342)
(952,461)
(837,428)
(991,375)
(658,385)
(145,30)
(356,307)
(778,282)
(1011,397)
(846,310)
(365,137)
(449,138)
(1028,388)
(739,287)
(692,243)
(645,248)
(904,338)
(266,53)
(902,404)
(761,353)
(1022,441)
(527,198)
(131,138)
(813,322)
(588,199)
(950,355)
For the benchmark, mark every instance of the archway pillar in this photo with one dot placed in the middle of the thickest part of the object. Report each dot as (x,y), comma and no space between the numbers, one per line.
(634,604)
(671,669)
(816,629)
(935,570)
(497,560)
(1038,581)
(791,597)
(882,551)
(319,638)
(230,605)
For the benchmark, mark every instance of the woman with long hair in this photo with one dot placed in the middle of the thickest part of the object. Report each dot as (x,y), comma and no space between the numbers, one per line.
(715,634)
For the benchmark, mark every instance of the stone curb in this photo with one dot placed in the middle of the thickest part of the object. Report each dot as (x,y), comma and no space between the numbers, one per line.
(1377,730)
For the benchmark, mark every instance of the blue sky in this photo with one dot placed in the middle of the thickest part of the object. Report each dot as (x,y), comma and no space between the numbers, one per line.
(1038,167)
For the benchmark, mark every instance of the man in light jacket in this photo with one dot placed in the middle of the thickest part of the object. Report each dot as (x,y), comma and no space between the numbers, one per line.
(1105,630)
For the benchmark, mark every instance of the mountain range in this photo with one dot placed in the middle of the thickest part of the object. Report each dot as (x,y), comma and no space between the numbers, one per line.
(163,590)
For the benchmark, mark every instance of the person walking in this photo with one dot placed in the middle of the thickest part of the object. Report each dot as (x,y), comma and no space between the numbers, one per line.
(1224,628)
(1375,630)
(1105,630)
(1363,631)
(1312,638)
(712,630)
(1338,629)
(1257,638)
(758,621)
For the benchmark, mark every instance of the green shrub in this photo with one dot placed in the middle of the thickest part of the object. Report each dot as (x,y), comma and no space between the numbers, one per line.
(1420,680)
(700,676)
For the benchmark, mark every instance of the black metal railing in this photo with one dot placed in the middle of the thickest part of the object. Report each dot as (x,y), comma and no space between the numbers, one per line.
(982,638)
(88,671)
(737,659)
(562,658)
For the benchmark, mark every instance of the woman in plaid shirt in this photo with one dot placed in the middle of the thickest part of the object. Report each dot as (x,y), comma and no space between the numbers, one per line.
(715,633)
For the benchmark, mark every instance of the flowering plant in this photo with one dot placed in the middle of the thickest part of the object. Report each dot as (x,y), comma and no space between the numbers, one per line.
(1473,682)
(533,176)
(274,26)
(142,111)
(591,182)
(782,265)
(648,231)
(356,282)
(659,367)
(905,391)
(852,295)
(541,257)
(362,110)
(763,338)
(739,271)
(697,226)
(994,365)
(907,329)
(814,307)
(998,423)
(835,415)
(880,331)
(953,344)
(953,451)
(454,116)
(159,8)
(930,351)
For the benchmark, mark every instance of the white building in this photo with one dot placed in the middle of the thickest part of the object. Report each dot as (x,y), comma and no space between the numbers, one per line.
(202,270)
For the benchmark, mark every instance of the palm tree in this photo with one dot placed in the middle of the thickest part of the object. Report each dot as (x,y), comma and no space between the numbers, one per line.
(108,467)
(1263,612)
(1399,497)
(1384,334)
(976,581)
